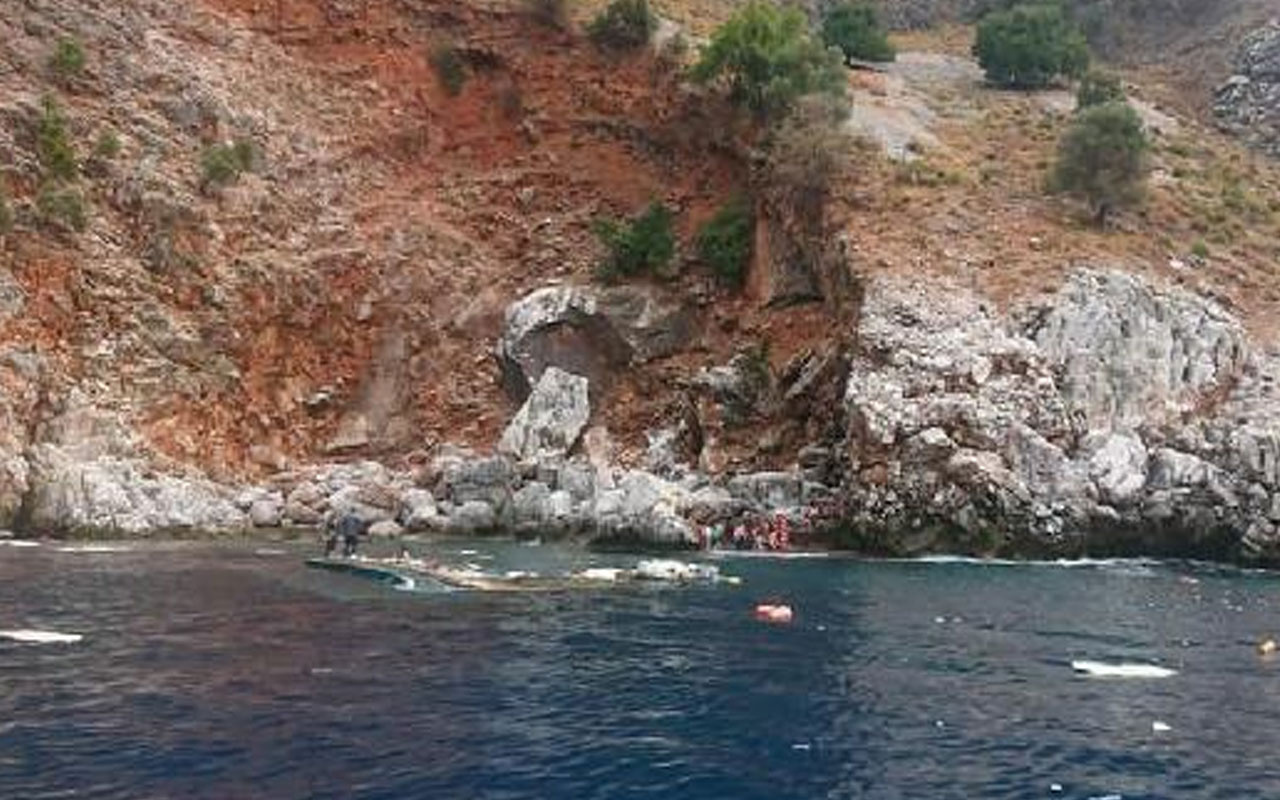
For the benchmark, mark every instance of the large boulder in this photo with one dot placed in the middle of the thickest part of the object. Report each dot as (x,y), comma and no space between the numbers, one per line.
(588,331)
(551,420)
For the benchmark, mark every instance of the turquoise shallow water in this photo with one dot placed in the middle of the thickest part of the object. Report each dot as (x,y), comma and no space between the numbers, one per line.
(233,672)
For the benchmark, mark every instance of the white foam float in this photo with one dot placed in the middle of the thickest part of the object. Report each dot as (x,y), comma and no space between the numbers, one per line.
(41,637)
(1099,669)
(18,543)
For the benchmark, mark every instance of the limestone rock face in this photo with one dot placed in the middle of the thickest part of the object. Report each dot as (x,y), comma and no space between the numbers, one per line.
(1134,355)
(1117,417)
(85,477)
(551,420)
(588,331)
(1248,103)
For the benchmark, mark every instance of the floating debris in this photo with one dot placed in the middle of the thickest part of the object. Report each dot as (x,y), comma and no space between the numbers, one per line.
(41,637)
(1098,669)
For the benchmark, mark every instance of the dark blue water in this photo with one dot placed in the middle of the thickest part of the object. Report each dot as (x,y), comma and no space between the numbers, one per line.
(221,673)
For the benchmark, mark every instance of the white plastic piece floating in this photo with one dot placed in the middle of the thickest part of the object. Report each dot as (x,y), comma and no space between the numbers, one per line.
(93,548)
(601,574)
(270,551)
(41,637)
(1098,669)
(18,543)
(1055,787)
(1161,727)
(801,746)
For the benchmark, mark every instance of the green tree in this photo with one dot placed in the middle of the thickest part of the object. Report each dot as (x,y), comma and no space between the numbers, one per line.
(624,25)
(1098,87)
(1102,159)
(768,58)
(644,244)
(1028,46)
(855,29)
(724,242)
(53,144)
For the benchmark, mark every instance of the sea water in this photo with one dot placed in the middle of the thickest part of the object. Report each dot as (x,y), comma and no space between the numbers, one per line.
(235,672)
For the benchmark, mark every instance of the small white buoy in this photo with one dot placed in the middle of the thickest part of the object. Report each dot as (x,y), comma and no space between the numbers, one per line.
(1055,787)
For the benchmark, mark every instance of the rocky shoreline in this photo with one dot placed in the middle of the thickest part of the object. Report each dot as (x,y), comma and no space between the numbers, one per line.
(1113,418)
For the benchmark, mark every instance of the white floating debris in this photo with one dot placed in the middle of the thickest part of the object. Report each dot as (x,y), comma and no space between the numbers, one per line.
(937,723)
(940,620)
(517,574)
(1161,727)
(1098,669)
(18,543)
(601,574)
(269,551)
(1055,787)
(41,637)
(801,746)
(663,569)
(93,548)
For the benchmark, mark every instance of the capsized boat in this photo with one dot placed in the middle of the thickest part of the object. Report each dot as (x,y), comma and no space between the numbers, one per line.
(418,574)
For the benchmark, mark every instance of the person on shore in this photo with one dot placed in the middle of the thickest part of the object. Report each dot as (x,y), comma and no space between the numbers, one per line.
(346,529)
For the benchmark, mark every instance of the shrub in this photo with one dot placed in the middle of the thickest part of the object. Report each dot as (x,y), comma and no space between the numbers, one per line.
(450,69)
(1028,46)
(1200,249)
(63,206)
(552,13)
(1102,159)
(53,145)
(724,242)
(645,244)
(768,58)
(107,146)
(222,164)
(808,147)
(855,29)
(67,61)
(1097,88)
(624,25)
(6,213)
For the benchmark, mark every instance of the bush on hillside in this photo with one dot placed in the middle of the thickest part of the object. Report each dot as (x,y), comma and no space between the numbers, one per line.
(450,68)
(645,244)
(62,206)
(855,29)
(724,242)
(552,13)
(1098,87)
(53,144)
(768,59)
(808,148)
(1029,46)
(1102,159)
(67,61)
(624,25)
(6,213)
(222,164)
